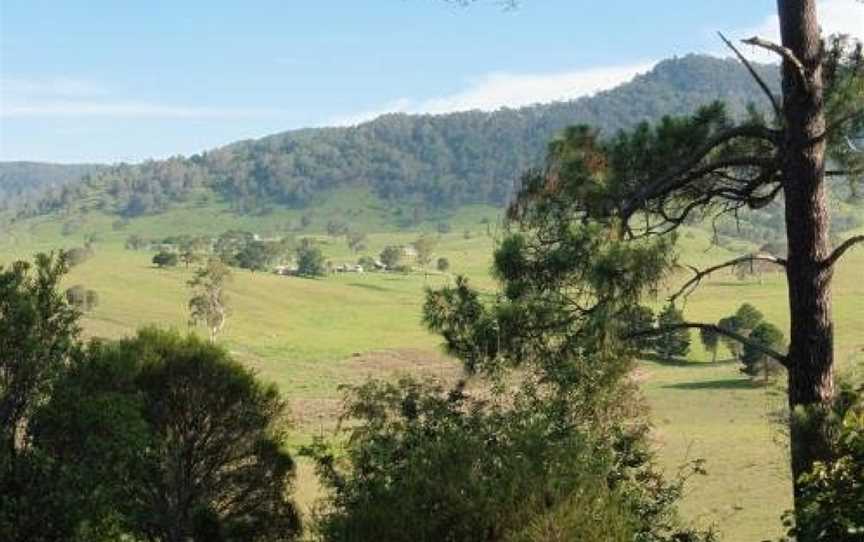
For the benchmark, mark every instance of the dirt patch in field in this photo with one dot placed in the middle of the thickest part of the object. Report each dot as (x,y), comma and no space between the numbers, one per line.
(321,413)
(316,414)
(402,360)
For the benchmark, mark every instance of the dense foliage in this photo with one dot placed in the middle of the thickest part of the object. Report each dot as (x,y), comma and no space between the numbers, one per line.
(23,182)
(425,463)
(160,437)
(310,260)
(833,492)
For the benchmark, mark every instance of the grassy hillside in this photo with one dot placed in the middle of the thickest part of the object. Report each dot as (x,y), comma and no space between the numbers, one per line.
(311,335)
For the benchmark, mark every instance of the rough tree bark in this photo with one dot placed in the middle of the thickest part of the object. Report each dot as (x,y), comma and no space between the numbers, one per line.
(811,349)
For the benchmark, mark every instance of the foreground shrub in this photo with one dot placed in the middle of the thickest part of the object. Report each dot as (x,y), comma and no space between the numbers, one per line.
(167,438)
(833,491)
(421,463)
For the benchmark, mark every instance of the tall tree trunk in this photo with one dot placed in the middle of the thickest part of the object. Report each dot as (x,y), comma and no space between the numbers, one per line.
(811,360)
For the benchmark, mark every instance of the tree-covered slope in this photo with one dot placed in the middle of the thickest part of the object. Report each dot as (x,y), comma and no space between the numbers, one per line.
(23,181)
(435,160)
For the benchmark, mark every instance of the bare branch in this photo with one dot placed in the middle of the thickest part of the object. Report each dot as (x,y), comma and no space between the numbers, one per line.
(662,330)
(784,52)
(840,250)
(759,80)
(691,284)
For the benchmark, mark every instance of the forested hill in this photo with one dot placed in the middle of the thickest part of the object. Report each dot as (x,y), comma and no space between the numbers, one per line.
(439,160)
(23,181)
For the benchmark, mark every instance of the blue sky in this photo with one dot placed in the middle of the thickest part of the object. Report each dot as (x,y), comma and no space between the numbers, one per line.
(114,80)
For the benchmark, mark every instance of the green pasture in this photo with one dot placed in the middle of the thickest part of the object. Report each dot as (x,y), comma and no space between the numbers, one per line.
(311,335)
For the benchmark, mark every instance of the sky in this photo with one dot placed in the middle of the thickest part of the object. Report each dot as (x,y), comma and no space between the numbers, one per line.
(110,81)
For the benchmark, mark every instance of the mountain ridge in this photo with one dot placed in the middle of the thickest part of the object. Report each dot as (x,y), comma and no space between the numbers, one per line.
(439,161)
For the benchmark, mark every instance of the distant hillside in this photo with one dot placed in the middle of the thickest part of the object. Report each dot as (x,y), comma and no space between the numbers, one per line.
(23,181)
(439,161)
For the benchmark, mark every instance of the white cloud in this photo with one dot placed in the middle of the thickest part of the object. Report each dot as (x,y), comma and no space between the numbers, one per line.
(71,97)
(496,90)
(835,17)
(128,110)
(52,87)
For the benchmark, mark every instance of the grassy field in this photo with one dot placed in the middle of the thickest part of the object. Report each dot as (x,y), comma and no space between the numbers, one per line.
(309,336)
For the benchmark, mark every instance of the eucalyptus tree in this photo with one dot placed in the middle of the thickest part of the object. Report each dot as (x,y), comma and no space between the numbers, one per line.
(209,302)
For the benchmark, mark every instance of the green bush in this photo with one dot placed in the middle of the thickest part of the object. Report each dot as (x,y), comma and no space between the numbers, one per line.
(833,491)
(428,464)
(141,421)
(424,463)
(165,259)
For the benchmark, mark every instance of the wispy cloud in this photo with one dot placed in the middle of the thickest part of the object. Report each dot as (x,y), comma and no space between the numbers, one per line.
(130,110)
(51,87)
(71,97)
(496,90)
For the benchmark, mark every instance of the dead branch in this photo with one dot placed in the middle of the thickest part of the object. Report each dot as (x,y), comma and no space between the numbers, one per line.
(784,52)
(691,284)
(759,81)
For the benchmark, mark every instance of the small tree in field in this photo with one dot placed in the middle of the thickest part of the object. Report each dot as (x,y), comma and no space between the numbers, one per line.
(731,324)
(356,241)
(209,302)
(676,343)
(748,317)
(391,256)
(310,261)
(165,259)
(710,341)
(443,264)
(424,246)
(756,363)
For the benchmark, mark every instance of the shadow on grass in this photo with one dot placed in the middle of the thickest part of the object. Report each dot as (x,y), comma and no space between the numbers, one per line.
(374,287)
(722,384)
(681,362)
(736,284)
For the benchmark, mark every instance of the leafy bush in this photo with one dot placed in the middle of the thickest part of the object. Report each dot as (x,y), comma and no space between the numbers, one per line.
(144,420)
(82,298)
(310,261)
(165,259)
(422,462)
(833,491)
(78,255)
(427,464)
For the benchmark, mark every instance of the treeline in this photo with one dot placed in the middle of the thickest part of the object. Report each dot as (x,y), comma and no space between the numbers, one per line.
(439,160)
